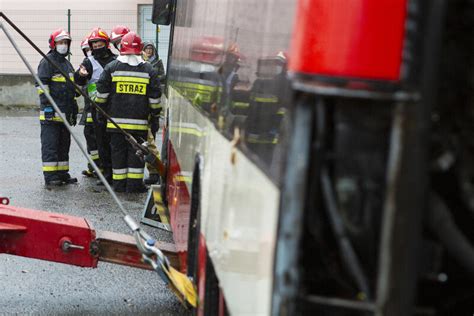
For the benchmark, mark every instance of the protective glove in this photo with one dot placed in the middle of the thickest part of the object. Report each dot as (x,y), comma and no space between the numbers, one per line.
(154,124)
(48,113)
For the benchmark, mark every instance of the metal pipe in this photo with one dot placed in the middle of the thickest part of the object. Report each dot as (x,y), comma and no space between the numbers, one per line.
(393,174)
(442,224)
(69,28)
(407,193)
(287,274)
(340,303)
(348,254)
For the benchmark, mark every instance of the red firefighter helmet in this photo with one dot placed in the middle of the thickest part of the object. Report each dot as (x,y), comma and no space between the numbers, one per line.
(131,44)
(118,32)
(207,49)
(98,34)
(283,55)
(58,35)
(85,43)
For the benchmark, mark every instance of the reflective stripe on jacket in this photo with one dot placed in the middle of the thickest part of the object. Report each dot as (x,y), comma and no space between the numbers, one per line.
(62,92)
(132,94)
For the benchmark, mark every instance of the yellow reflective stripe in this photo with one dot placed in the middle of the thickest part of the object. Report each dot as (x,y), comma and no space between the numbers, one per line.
(95,157)
(183,179)
(40,90)
(89,120)
(129,126)
(119,176)
(63,168)
(58,79)
(50,168)
(130,79)
(266,100)
(100,100)
(155,106)
(281,112)
(160,207)
(61,79)
(241,104)
(262,141)
(191,131)
(55,118)
(135,175)
(196,86)
(196,92)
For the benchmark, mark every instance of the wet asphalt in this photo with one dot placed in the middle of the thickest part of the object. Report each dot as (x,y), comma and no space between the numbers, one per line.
(29,286)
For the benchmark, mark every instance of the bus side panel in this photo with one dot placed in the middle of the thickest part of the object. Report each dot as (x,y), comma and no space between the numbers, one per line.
(238,208)
(178,201)
(226,53)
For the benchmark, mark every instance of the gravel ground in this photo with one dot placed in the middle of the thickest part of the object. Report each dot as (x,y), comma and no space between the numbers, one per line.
(30,286)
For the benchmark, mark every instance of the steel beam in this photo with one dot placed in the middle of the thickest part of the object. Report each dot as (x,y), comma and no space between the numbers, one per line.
(46,236)
(121,249)
(70,240)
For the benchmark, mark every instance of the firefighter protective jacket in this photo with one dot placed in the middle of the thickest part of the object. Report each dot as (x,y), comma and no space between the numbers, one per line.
(130,94)
(87,117)
(90,69)
(62,92)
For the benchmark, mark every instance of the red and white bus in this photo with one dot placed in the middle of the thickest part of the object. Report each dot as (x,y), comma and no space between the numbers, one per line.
(297,150)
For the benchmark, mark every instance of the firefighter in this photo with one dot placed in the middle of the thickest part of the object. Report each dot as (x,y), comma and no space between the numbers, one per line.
(116,35)
(267,105)
(150,55)
(98,142)
(86,120)
(229,76)
(129,89)
(55,138)
(86,50)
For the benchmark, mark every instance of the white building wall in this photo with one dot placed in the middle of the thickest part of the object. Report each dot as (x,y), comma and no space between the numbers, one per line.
(38,18)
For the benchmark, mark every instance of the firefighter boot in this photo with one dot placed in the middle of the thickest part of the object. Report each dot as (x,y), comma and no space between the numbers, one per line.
(55,182)
(107,175)
(67,179)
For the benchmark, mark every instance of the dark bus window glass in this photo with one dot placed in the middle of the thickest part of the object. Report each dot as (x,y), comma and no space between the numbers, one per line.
(231,64)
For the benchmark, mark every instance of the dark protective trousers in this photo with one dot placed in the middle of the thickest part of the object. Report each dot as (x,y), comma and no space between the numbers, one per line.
(55,144)
(92,148)
(103,147)
(127,168)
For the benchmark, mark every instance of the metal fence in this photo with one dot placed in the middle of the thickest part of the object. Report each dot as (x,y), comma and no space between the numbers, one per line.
(38,25)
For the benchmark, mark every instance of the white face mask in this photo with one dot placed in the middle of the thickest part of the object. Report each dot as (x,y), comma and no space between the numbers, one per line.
(89,54)
(62,49)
